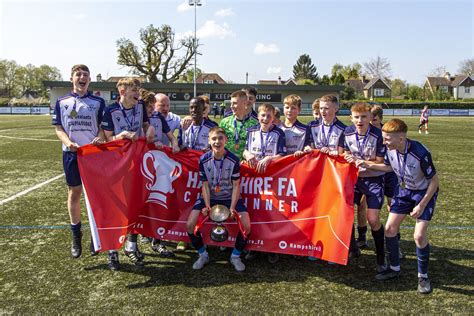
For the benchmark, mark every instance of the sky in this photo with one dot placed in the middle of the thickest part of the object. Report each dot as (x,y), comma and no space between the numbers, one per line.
(263,38)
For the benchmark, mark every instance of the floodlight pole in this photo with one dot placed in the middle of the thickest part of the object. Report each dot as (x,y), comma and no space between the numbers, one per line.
(195,3)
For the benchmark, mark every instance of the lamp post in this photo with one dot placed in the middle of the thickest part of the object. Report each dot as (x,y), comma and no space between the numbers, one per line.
(195,3)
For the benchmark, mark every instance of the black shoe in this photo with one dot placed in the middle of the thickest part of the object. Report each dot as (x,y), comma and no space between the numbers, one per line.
(388,274)
(424,286)
(113,261)
(362,244)
(136,257)
(92,249)
(355,253)
(76,246)
(161,249)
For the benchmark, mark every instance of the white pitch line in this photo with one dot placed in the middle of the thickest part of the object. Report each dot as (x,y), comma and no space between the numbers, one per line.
(35,139)
(39,185)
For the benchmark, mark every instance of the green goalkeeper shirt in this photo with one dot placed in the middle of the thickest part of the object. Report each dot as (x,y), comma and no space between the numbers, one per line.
(236,132)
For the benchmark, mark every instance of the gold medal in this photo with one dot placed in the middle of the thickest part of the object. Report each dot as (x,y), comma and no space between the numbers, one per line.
(73,113)
(403,185)
(236,146)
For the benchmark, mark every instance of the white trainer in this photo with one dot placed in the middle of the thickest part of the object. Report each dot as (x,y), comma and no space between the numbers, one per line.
(238,264)
(201,262)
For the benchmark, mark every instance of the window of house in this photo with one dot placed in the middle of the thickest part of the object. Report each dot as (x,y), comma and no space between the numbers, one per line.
(378,92)
(467,90)
(443,88)
(209,81)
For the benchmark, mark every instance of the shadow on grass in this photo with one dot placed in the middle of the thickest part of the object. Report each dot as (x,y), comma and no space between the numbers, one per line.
(359,274)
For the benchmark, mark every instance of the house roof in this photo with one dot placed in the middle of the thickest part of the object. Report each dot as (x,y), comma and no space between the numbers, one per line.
(373,81)
(356,84)
(210,76)
(458,80)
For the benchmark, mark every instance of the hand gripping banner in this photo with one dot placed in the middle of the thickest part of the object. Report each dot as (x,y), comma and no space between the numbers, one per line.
(302,206)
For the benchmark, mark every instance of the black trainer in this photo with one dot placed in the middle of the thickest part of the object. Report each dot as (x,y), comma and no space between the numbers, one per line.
(388,274)
(161,249)
(76,246)
(362,243)
(136,257)
(113,261)
(354,253)
(424,286)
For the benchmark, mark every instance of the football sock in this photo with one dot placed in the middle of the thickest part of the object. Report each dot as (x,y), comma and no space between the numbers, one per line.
(76,230)
(196,241)
(378,236)
(393,252)
(235,253)
(361,232)
(423,255)
(240,242)
(353,244)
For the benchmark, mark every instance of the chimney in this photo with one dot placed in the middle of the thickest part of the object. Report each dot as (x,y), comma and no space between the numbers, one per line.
(279,79)
(447,75)
(99,78)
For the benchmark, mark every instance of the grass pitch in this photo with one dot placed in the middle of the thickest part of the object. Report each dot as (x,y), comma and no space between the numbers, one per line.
(38,276)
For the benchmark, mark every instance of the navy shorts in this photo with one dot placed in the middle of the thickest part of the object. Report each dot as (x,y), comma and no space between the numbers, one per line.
(405,200)
(372,188)
(240,207)
(391,182)
(71,169)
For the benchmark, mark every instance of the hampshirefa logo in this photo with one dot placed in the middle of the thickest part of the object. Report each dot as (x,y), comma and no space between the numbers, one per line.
(161,177)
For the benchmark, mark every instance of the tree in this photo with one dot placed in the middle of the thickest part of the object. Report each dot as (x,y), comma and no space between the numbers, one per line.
(158,57)
(352,71)
(18,80)
(348,93)
(415,92)
(466,66)
(305,69)
(305,82)
(30,78)
(325,80)
(398,87)
(378,67)
(8,76)
(438,71)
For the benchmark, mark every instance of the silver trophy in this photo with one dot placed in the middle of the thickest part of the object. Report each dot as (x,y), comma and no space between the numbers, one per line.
(219,213)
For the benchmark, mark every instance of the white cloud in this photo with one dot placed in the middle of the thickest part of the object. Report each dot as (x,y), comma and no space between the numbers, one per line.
(212,29)
(262,49)
(273,70)
(183,7)
(224,12)
(209,29)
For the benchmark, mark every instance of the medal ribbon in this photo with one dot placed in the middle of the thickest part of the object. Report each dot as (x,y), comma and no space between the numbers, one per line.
(263,144)
(194,138)
(324,139)
(402,165)
(129,124)
(238,130)
(219,171)
(360,147)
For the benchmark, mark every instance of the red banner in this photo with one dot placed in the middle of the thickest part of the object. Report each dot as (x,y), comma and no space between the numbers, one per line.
(302,206)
